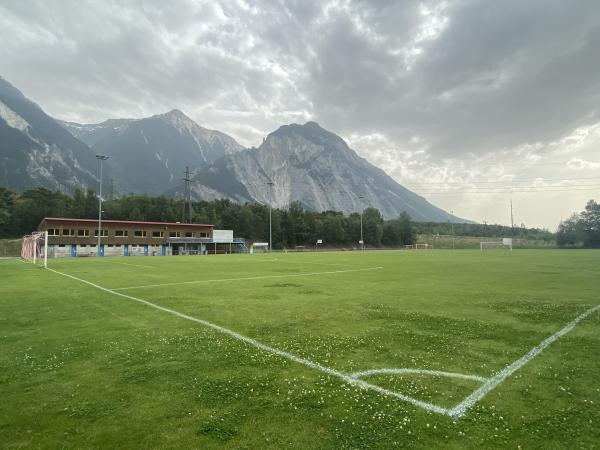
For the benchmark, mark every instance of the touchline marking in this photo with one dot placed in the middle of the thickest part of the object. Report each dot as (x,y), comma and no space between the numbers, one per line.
(316,263)
(436,373)
(460,409)
(128,264)
(261,277)
(313,365)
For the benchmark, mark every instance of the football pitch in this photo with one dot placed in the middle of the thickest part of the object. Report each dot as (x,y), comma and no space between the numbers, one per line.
(375,349)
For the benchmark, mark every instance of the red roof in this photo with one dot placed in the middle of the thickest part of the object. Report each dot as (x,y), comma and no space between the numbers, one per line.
(125,222)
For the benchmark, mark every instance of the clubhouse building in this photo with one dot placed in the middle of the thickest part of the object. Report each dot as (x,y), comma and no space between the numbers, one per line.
(79,237)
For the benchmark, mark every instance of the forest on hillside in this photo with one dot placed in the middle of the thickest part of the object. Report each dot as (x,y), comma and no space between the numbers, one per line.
(581,229)
(20,213)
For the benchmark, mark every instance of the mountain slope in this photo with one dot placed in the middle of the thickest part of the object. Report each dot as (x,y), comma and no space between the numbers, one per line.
(150,155)
(35,150)
(315,167)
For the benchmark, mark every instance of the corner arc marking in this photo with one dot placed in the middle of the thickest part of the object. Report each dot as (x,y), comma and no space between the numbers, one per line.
(436,373)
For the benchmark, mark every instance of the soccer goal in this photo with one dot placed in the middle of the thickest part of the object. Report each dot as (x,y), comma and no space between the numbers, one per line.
(504,244)
(423,246)
(35,248)
(259,247)
(419,247)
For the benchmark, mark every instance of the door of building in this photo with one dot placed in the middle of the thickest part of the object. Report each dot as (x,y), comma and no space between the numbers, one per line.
(126,250)
(73,250)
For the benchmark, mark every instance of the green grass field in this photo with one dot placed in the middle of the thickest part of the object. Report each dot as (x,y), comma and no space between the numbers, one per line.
(84,367)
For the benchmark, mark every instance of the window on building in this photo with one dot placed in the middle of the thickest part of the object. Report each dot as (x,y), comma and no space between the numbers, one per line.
(201,234)
(83,232)
(188,234)
(68,232)
(139,233)
(104,232)
(61,245)
(158,234)
(82,246)
(174,234)
(121,233)
(53,232)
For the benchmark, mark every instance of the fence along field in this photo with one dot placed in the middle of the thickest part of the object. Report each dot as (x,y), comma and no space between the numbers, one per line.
(389,323)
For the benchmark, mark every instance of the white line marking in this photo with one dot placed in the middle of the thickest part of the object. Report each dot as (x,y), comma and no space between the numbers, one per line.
(460,409)
(332,372)
(436,373)
(128,264)
(316,263)
(456,412)
(260,277)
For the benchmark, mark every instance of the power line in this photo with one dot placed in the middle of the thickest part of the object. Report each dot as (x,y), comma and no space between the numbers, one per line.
(504,192)
(512,188)
(522,180)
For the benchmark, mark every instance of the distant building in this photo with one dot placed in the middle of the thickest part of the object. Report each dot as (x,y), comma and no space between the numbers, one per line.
(79,237)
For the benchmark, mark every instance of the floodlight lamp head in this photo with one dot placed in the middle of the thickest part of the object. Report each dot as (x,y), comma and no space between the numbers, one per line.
(102,157)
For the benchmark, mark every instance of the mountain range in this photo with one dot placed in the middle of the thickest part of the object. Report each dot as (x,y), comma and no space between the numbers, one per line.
(35,150)
(150,155)
(297,162)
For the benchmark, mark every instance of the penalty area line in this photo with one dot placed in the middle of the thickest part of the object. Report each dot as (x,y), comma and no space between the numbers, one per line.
(313,365)
(128,264)
(259,277)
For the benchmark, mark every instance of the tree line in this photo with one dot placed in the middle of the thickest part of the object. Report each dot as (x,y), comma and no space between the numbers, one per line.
(20,213)
(483,230)
(581,229)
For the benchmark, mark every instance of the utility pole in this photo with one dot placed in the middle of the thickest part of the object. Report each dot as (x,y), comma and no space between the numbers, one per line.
(112,189)
(452,225)
(270,184)
(362,242)
(100,158)
(187,194)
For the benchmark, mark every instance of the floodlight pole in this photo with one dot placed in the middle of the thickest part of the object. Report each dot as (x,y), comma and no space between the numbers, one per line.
(452,225)
(362,242)
(100,158)
(46,249)
(270,184)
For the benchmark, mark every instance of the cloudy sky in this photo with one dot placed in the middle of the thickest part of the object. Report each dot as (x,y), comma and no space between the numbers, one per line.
(468,103)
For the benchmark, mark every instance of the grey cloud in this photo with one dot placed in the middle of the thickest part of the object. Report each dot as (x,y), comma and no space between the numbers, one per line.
(462,80)
(499,74)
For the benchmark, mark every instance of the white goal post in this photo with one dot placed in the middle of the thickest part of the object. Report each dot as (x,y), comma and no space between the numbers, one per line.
(505,243)
(259,247)
(424,246)
(35,248)
(419,247)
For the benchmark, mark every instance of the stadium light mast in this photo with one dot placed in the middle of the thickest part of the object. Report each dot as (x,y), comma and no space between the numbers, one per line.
(270,184)
(452,225)
(362,241)
(100,158)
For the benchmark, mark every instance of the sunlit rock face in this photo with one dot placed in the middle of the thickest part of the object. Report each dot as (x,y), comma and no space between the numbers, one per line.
(309,164)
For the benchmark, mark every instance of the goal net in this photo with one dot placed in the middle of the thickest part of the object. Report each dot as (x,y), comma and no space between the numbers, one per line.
(419,247)
(35,248)
(259,247)
(504,244)
(424,246)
